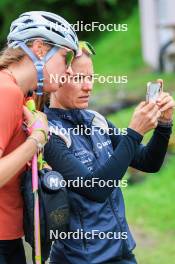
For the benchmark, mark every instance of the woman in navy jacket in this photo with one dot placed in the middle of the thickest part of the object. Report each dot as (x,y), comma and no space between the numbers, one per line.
(97,156)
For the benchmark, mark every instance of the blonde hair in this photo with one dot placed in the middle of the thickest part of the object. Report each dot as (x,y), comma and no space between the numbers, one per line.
(40,101)
(11,55)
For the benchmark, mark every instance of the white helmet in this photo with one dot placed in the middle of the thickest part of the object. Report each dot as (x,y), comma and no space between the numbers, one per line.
(51,28)
(48,26)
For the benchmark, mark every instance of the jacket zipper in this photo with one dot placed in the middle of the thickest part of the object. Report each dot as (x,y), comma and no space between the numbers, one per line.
(118,222)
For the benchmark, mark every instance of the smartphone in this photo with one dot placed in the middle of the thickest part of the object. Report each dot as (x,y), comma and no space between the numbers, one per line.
(153,91)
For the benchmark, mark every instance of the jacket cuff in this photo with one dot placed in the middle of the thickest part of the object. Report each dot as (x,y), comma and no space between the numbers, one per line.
(134,135)
(168,124)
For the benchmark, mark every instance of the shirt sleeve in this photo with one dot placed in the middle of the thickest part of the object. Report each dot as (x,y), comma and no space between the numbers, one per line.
(150,157)
(8,114)
(61,159)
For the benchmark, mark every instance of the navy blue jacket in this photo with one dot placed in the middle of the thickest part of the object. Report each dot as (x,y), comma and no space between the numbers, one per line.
(102,157)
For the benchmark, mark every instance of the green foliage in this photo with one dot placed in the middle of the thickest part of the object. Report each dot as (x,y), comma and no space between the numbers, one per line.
(123,57)
(112,2)
(122,49)
(90,2)
(105,11)
(84,2)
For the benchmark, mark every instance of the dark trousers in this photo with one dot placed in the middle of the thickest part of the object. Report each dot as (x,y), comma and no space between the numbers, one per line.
(12,252)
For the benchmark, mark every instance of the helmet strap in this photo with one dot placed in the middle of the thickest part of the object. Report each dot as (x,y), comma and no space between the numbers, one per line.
(39,64)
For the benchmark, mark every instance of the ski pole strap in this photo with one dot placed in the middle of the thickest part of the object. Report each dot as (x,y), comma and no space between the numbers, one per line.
(41,162)
(38,258)
(35,124)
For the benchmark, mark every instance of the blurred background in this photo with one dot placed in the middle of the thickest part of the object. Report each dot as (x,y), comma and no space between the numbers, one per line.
(145,52)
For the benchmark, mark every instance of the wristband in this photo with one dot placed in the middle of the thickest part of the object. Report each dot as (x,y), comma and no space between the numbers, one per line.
(36,125)
(43,131)
(37,143)
(167,123)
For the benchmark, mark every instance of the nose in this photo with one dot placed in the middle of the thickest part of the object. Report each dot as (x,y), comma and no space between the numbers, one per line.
(87,86)
(69,70)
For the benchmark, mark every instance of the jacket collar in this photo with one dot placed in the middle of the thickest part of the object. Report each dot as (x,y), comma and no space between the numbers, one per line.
(76,116)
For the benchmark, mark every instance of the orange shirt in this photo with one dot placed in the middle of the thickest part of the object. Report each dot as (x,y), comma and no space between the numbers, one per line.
(11,136)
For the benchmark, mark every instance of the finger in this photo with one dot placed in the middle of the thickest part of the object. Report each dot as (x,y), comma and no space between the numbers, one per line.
(154,111)
(148,107)
(165,101)
(141,105)
(168,102)
(158,115)
(167,107)
(27,114)
(42,117)
(156,118)
(156,124)
(41,114)
(162,96)
(161,84)
(160,81)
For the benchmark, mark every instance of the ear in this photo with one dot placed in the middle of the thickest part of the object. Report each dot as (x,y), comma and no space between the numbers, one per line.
(39,48)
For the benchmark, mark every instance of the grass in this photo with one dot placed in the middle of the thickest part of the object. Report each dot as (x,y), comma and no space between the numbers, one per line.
(150,207)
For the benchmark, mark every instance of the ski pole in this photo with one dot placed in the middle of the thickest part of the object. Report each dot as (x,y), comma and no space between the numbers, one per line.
(37,235)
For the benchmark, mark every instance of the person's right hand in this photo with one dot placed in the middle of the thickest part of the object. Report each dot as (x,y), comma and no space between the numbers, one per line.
(37,124)
(145,117)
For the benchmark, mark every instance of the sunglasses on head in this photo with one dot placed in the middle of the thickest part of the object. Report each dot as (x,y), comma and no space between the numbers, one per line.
(87,47)
(83,45)
(69,55)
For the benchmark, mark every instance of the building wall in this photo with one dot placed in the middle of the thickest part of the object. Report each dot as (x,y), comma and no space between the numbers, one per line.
(155,16)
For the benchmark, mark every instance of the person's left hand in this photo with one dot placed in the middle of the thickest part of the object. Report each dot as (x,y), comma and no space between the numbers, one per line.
(166,105)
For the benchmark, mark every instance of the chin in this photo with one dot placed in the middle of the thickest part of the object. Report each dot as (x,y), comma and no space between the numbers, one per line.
(82,106)
(51,88)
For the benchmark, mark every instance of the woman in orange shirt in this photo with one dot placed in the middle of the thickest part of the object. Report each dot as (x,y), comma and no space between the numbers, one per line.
(36,49)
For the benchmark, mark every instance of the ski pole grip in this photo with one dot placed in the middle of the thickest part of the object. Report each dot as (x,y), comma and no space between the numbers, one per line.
(30,103)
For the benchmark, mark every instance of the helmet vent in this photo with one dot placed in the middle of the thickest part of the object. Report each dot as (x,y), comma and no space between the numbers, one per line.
(55,31)
(28,21)
(51,20)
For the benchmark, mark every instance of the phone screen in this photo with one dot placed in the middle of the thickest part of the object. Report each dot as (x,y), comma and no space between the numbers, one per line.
(153,91)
